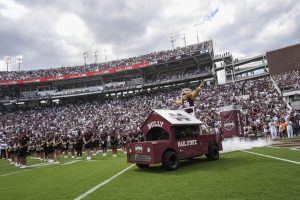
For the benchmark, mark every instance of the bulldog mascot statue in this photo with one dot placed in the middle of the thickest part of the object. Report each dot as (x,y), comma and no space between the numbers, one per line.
(188,97)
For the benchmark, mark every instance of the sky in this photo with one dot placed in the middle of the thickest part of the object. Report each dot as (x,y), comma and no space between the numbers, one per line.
(56,33)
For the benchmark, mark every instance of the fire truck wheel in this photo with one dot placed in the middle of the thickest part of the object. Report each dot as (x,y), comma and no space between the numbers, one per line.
(170,161)
(142,166)
(213,152)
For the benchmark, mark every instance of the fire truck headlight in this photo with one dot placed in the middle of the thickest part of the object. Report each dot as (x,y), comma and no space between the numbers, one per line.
(148,150)
(130,150)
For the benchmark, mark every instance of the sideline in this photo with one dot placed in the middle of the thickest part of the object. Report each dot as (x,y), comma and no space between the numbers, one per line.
(276,158)
(102,184)
(15,172)
(37,166)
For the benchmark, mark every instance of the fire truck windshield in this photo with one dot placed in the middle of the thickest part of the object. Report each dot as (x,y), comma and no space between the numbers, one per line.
(157,133)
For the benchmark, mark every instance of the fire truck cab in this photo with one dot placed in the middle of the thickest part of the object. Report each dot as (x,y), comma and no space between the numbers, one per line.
(170,136)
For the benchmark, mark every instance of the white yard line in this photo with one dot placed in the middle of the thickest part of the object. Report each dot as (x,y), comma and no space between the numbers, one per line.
(38,165)
(295,149)
(71,162)
(102,184)
(276,158)
(292,148)
(273,147)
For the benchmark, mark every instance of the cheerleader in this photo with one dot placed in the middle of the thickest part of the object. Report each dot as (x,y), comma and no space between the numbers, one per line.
(17,150)
(88,143)
(95,144)
(50,148)
(124,141)
(78,144)
(31,150)
(103,142)
(44,149)
(57,144)
(114,143)
(40,149)
(71,142)
(65,145)
(9,152)
(23,148)
(12,151)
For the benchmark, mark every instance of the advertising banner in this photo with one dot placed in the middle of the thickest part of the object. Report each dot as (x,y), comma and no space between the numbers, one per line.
(71,76)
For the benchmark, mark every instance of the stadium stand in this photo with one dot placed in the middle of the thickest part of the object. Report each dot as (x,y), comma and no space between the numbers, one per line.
(259,97)
(288,81)
(154,57)
(110,114)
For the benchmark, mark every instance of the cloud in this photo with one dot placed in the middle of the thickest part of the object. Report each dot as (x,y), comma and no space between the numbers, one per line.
(10,9)
(55,33)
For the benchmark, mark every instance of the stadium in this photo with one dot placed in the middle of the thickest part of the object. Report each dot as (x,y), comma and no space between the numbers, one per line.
(67,132)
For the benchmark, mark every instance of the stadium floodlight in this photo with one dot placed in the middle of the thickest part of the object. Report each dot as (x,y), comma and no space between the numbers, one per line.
(183,36)
(7,60)
(19,61)
(105,55)
(172,39)
(96,56)
(197,33)
(85,55)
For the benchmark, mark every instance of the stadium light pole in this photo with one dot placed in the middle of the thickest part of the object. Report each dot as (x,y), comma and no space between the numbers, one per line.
(96,56)
(233,72)
(172,39)
(245,112)
(105,55)
(85,55)
(7,60)
(197,33)
(183,36)
(19,61)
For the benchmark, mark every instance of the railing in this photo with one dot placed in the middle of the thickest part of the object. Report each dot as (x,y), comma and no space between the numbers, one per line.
(279,91)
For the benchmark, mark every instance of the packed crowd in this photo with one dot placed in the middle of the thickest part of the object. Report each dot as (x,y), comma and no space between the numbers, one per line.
(259,100)
(288,81)
(160,78)
(110,122)
(154,57)
(117,121)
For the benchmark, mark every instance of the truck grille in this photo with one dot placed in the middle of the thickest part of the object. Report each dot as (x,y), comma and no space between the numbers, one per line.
(139,157)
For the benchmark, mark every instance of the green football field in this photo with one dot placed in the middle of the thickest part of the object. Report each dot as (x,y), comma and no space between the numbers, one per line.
(237,175)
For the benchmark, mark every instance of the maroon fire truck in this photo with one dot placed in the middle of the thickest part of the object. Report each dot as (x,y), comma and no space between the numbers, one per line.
(170,136)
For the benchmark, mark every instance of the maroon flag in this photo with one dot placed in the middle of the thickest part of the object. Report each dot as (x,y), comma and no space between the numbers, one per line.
(232,124)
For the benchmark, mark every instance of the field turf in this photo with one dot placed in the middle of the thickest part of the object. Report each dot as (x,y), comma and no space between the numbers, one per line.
(237,175)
